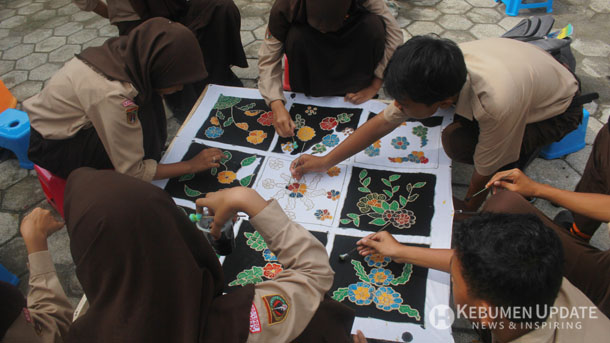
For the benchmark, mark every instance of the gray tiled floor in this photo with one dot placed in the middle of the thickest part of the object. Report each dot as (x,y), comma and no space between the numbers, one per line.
(38,36)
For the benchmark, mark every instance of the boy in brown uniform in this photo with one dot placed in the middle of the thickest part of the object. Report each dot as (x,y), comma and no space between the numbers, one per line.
(510,98)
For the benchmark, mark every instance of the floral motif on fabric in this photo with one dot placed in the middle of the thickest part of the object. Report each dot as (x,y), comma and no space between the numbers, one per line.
(322,215)
(400,143)
(333,194)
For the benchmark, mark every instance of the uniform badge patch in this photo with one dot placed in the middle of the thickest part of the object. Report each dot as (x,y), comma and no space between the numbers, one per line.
(277,308)
(268,34)
(131,111)
(255,323)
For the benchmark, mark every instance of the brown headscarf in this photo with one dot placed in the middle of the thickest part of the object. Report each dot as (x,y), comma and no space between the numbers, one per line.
(12,303)
(149,274)
(156,54)
(323,15)
(172,9)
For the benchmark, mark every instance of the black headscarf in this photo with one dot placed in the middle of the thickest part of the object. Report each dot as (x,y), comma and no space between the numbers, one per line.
(148,273)
(12,303)
(156,54)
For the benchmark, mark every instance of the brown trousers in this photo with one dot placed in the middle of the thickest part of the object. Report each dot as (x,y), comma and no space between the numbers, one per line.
(461,137)
(595,178)
(586,267)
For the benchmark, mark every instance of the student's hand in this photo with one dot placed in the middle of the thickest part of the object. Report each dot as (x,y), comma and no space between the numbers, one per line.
(282,122)
(364,94)
(205,159)
(225,204)
(359,337)
(514,180)
(36,227)
(307,164)
(381,243)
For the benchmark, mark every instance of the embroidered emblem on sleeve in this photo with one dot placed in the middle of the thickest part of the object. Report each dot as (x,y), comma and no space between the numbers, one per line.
(277,308)
(255,323)
(131,111)
(268,34)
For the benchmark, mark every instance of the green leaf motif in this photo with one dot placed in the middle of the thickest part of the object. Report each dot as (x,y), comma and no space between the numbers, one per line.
(247,107)
(213,171)
(413,197)
(299,121)
(357,222)
(363,174)
(394,177)
(366,182)
(248,276)
(405,276)
(227,156)
(340,294)
(364,189)
(375,214)
(395,189)
(386,182)
(360,272)
(419,185)
(186,177)
(394,205)
(388,193)
(255,241)
(345,221)
(220,115)
(225,102)
(353,215)
(228,122)
(409,187)
(191,192)
(378,222)
(248,161)
(385,205)
(403,200)
(246,180)
(378,209)
(406,309)
(344,117)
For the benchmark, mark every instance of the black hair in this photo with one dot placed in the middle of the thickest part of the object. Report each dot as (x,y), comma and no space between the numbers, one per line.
(426,69)
(510,260)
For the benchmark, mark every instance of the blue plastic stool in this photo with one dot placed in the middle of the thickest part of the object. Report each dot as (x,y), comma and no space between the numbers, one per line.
(7,276)
(15,135)
(570,143)
(513,6)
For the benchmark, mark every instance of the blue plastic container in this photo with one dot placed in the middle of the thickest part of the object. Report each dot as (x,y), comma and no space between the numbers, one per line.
(15,135)
(572,142)
(7,276)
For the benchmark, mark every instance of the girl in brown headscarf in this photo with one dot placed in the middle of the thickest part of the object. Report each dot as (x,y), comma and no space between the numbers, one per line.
(338,47)
(104,110)
(150,276)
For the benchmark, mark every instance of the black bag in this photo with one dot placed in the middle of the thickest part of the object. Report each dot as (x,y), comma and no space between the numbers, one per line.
(534,30)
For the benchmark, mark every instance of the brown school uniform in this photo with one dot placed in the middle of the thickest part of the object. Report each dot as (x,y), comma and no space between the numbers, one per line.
(355,67)
(48,314)
(510,86)
(171,281)
(102,110)
(558,329)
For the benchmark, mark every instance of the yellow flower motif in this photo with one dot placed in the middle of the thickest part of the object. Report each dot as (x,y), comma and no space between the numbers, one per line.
(256,136)
(334,171)
(226,176)
(252,113)
(377,144)
(243,126)
(380,278)
(362,293)
(385,300)
(214,121)
(306,133)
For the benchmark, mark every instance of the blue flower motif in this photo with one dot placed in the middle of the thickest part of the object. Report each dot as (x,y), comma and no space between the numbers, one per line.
(295,195)
(377,260)
(330,140)
(387,299)
(371,151)
(213,132)
(381,277)
(360,293)
(400,143)
(269,256)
